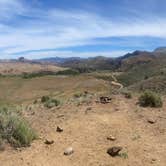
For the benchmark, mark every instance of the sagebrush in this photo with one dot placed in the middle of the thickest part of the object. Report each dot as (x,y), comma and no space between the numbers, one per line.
(151,99)
(14,129)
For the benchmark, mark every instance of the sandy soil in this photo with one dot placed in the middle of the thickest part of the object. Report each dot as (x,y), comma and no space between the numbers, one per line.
(86,130)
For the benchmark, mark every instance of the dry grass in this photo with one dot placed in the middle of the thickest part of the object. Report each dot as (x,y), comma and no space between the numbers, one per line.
(18,90)
(8,68)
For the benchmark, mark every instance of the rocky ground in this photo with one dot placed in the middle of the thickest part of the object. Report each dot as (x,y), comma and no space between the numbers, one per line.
(90,129)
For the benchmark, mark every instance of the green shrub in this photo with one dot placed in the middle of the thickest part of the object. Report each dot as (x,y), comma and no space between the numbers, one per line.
(80,94)
(151,99)
(52,103)
(128,95)
(68,72)
(45,99)
(37,74)
(15,129)
(124,155)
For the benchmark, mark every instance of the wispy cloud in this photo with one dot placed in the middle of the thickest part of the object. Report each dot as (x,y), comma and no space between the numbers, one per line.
(24,27)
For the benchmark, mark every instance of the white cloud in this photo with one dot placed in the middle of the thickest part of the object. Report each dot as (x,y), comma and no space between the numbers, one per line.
(59,28)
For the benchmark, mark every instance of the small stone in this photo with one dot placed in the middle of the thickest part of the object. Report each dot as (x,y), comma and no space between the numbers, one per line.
(114,151)
(49,142)
(59,129)
(111,138)
(151,120)
(33,113)
(68,151)
(153,159)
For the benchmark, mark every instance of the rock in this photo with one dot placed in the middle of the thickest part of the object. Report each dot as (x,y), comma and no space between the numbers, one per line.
(49,142)
(59,129)
(68,151)
(105,100)
(153,159)
(60,116)
(33,113)
(151,120)
(111,138)
(114,151)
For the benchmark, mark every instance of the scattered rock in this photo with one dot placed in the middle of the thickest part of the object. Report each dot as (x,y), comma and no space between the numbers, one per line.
(153,159)
(49,142)
(111,138)
(105,100)
(114,151)
(59,129)
(68,151)
(151,120)
(60,116)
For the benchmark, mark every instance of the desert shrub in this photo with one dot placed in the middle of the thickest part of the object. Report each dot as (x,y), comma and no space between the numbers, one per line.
(128,95)
(80,94)
(52,103)
(82,97)
(15,129)
(149,98)
(35,101)
(45,99)
(124,155)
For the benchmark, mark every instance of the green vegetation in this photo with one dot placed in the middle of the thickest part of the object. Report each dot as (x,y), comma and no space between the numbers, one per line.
(123,155)
(82,98)
(15,129)
(50,102)
(128,95)
(45,99)
(37,74)
(80,94)
(151,99)
(68,72)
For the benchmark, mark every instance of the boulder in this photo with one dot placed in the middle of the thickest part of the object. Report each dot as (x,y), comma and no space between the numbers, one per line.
(114,151)
(59,129)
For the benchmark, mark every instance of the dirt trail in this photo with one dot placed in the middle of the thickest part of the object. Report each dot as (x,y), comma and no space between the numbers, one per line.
(86,132)
(116,83)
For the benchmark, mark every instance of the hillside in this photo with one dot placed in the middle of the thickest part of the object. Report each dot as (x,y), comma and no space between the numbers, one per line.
(147,70)
(18,67)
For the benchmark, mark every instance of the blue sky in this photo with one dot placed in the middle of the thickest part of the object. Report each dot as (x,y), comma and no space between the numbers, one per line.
(68,28)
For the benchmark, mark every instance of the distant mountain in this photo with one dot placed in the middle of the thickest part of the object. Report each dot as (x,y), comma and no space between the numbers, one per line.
(57,60)
(96,63)
(160,50)
(123,63)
